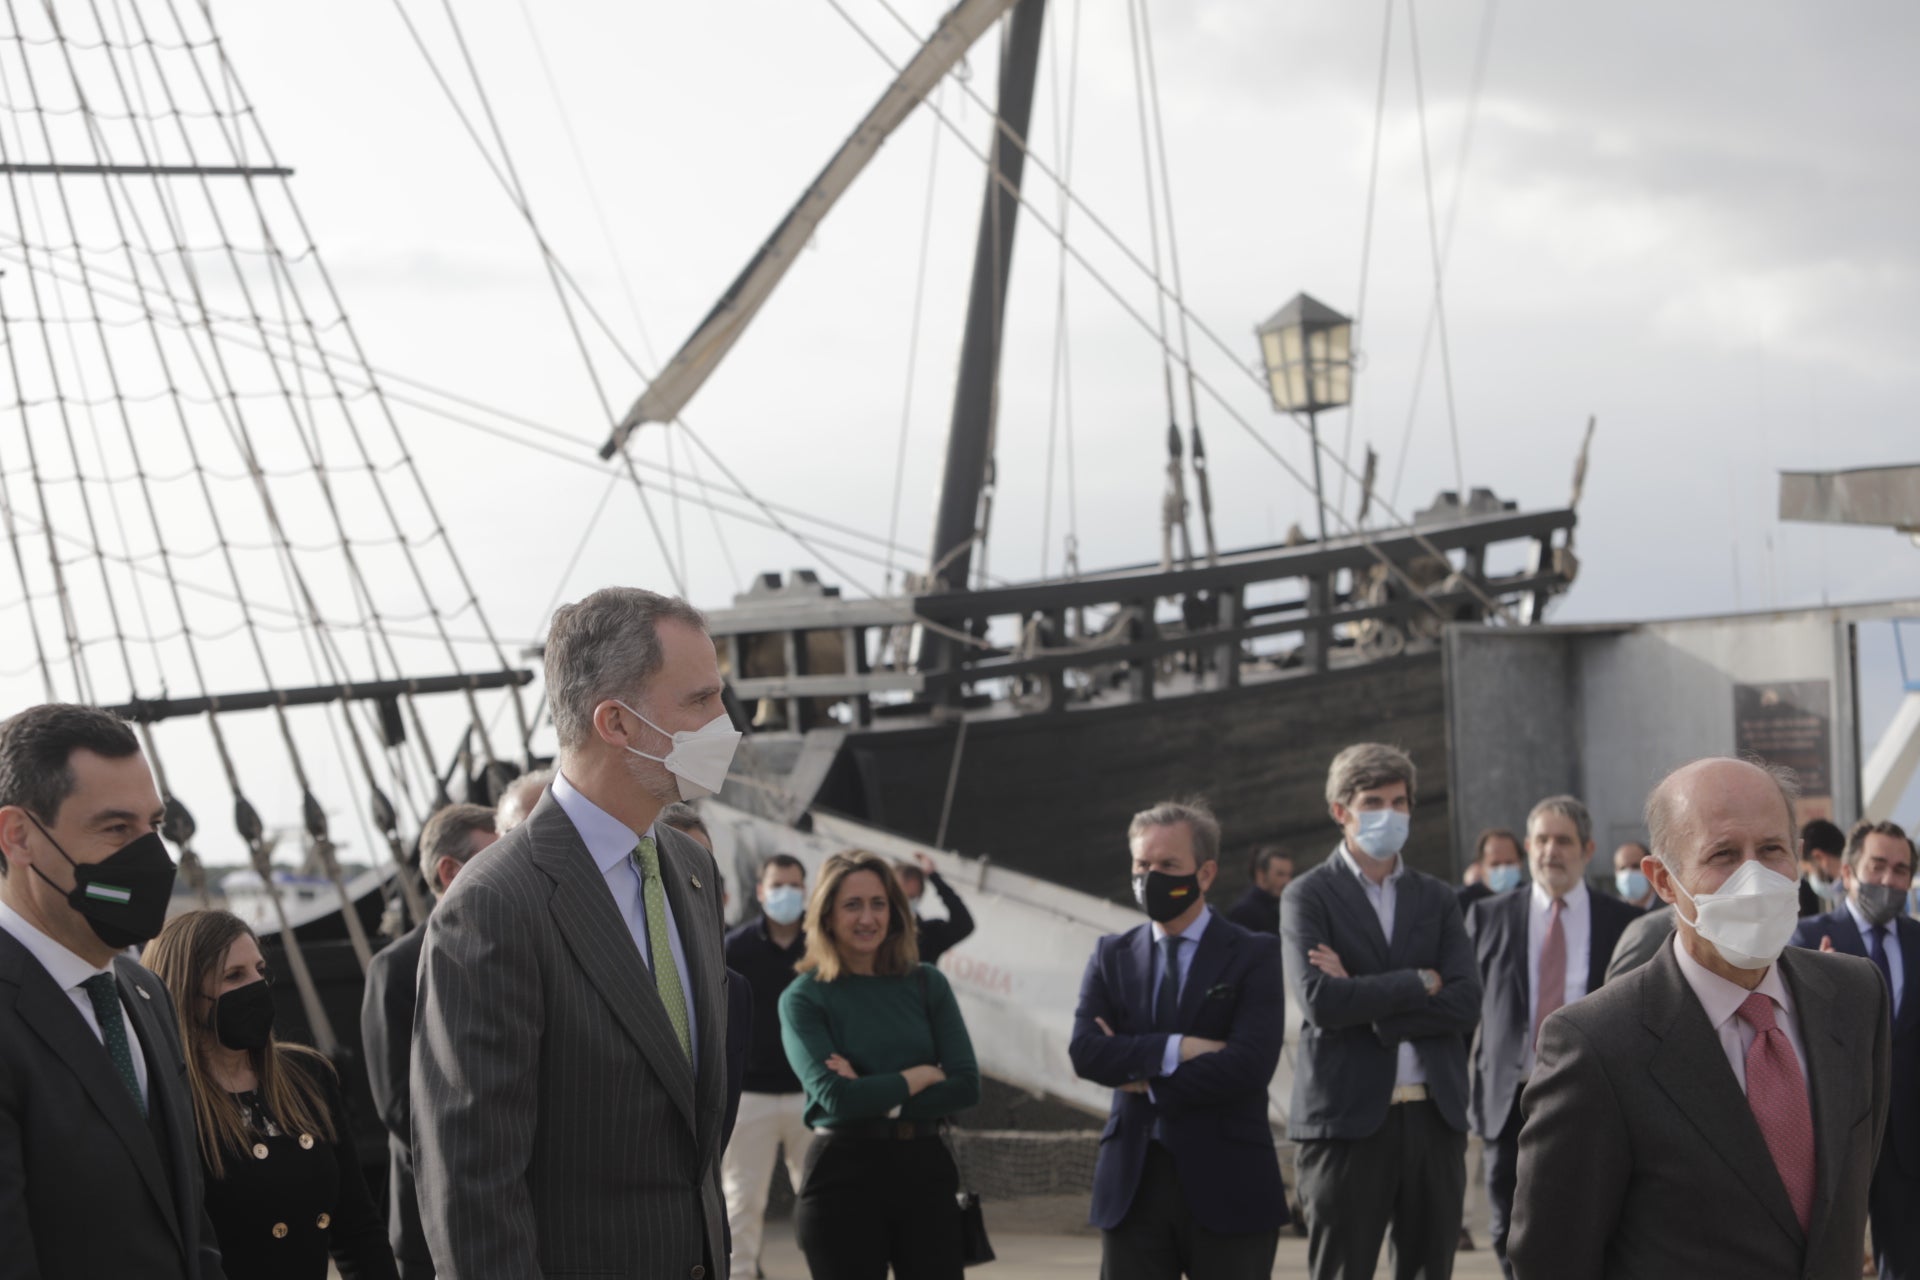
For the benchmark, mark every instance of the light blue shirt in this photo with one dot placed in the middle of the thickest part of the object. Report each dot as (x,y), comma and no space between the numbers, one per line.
(1896,963)
(610,843)
(1189,947)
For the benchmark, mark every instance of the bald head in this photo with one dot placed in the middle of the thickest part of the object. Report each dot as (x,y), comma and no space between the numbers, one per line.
(1721,810)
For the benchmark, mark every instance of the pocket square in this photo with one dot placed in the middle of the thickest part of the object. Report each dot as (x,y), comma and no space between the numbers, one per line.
(1222,991)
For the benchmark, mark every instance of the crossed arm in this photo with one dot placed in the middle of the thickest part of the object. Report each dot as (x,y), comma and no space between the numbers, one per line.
(1402,1004)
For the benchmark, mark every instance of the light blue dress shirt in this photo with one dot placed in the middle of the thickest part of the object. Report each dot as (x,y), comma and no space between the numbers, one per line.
(1189,947)
(610,843)
(1896,957)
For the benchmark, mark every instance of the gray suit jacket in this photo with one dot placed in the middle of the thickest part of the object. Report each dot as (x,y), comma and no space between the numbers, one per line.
(1641,1158)
(72,1140)
(558,1129)
(1641,940)
(1351,1028)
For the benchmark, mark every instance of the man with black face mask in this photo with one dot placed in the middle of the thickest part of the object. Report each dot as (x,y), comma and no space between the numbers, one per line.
(1183,1017)
(99,1172)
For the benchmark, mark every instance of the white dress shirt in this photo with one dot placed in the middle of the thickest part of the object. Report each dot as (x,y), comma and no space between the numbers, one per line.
(68,972)
(1895,960)
(1189,948)
(1385,898)
(610,843)
(1576,925)
(1722,999)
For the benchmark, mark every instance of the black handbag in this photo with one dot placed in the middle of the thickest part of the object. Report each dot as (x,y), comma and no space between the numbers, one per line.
(975,1247)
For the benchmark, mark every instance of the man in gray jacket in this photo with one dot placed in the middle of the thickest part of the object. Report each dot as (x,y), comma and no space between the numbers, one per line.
(1380,969)
(569,1070)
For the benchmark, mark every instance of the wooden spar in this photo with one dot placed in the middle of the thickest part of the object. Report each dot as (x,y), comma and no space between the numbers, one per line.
(701,354)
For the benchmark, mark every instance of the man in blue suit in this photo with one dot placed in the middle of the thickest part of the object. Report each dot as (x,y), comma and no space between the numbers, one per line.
(1183,1018)
(1877,872)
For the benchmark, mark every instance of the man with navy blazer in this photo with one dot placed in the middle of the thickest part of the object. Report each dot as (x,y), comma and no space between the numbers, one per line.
(1379,966)
(1538,947)
(1877,873)
(1183,1018)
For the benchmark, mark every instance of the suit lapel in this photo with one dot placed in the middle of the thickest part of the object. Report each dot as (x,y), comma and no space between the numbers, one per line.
(1140,955)
(595,932)
(694,915)
(1208,962)
(1521,950)
(163,1068)
(46,1009)
(1909,1011)
(1828,1056)
(1348,894)
(1845,933)
(1692,1068)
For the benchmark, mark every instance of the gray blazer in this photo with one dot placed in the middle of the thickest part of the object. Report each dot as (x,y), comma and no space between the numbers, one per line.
(72,1139)
(1640,940)
(1639,1156)
(558,1129)
(1351,1028)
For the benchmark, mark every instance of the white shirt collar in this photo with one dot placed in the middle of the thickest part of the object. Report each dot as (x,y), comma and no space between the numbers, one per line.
(1720,998)
(1576,898)
(1194,930)
(65,967)
(609,841)
(1353,865)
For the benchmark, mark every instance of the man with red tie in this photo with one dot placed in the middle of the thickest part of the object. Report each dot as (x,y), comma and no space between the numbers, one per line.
(1541,946)
(1717,1111)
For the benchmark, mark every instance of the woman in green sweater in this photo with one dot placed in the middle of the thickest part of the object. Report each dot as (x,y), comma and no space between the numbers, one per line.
(877,1040)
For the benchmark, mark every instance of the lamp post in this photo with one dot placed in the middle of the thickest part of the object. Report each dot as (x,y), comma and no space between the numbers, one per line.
(1307,347)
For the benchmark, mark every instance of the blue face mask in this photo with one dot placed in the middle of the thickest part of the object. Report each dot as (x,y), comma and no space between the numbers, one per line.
(1503,877)
(1632,884)
(785,903)
(1382,833)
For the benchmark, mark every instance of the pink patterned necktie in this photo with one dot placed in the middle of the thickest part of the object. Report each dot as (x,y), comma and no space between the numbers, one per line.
(1778,1095)
(1553,969)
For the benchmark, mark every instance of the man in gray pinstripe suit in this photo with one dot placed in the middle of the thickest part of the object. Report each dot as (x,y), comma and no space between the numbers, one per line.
(568,1062)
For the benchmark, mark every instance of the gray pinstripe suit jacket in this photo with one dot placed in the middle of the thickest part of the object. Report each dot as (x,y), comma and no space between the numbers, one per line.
(558,1129)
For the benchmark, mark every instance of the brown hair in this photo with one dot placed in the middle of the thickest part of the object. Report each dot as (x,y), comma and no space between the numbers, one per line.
(1497,833)
(1857,840)
(188,956)
(899,953)
(1365,766)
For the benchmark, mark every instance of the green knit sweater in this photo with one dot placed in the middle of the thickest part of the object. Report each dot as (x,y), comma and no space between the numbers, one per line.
(882,1026)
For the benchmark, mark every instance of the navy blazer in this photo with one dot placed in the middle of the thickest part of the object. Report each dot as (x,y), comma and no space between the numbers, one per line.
(1902,1141)
(1351,1028)
(1498,927)
(1213,1109)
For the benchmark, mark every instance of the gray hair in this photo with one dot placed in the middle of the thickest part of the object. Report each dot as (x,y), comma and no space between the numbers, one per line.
(1660,815)
(1568,807)
(1200,822)
(517,801)
(605,646)
(682,816)
(1366,765)
(449,834)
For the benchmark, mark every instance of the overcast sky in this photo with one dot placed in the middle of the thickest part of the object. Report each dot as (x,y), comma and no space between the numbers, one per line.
(1693,222)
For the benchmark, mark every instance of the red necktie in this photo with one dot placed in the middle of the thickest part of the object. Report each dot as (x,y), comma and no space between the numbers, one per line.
(1553,969)
(1778,1095)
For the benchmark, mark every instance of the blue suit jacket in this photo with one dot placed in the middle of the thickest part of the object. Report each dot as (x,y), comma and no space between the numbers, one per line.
(1213,1109)
(1902,1141)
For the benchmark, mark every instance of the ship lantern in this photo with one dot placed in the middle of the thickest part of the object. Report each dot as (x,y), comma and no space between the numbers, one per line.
(1308,350)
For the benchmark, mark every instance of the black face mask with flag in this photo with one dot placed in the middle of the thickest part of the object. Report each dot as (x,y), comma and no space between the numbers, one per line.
(1163,897)
(124,896)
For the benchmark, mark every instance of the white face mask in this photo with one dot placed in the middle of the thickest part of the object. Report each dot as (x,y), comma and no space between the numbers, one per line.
(700,758)
(1750,917)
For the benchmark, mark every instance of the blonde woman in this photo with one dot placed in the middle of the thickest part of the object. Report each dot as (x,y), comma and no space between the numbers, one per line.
(284,1187)
(877,1040)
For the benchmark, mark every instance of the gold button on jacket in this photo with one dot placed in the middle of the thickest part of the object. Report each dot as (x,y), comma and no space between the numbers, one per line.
(279,1231)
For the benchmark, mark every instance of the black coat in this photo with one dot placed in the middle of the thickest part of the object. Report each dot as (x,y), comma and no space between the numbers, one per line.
(386,1032)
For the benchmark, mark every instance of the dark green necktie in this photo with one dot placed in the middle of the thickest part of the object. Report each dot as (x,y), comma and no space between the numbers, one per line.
(666,974)
(1166,1008)
(105,994)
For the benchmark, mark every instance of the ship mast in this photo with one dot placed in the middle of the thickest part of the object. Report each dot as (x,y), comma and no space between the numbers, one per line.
(957,524)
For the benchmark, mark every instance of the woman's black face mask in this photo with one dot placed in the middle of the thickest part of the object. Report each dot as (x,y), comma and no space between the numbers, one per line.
(124,897)
(243,1017)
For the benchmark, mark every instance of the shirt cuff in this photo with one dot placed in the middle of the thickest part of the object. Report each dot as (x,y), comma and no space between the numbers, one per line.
(1170,1056)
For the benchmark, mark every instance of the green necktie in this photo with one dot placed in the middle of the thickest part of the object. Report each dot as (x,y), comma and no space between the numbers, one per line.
(666,974)
(105,995)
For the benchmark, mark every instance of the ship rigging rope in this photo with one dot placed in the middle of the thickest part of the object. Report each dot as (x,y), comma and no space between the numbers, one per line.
(1153,206)
(913,347)
(1365,539)
(1366,246)
(1433,248)
(1060,382)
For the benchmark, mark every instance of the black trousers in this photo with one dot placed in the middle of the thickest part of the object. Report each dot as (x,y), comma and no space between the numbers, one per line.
(1411,1173)
(869,1203)
(1893,1207)
(1503,1174)
(1159,1240)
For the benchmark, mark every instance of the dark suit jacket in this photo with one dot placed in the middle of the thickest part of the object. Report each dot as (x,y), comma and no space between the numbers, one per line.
(85,1192)
(557,1125)
(1902,1143)
(739,1047)
(1641,1158)
(936,936)
(1351,1028)
(1213,1109)
(1641,940)
(1256,910)
(1468,894)
(386,1033)
(1498,927)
